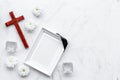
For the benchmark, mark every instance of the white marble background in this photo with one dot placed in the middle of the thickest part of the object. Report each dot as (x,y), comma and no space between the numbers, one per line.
(92,28)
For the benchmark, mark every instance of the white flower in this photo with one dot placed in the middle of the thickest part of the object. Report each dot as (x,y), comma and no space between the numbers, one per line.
(36,12)
(11,62)
(23,70)
(30,26)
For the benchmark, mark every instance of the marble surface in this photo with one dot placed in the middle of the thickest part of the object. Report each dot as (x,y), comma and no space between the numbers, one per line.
(92,28)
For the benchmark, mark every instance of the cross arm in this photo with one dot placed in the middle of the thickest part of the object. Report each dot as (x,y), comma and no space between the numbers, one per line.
(9,23)
(20,18)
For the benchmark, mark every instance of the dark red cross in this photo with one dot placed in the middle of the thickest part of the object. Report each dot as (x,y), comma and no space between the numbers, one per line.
(15,22)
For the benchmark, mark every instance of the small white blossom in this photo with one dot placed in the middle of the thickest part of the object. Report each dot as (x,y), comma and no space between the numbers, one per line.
(30,26)
(36,11)
(23,70)
(11,62)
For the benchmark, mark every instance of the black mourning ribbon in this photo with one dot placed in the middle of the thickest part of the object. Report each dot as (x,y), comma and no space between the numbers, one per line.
(64,41)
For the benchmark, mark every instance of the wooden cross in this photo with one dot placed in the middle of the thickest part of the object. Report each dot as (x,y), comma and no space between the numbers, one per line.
(15,21)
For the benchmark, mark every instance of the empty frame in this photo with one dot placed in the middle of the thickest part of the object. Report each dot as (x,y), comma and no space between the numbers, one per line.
(46,51)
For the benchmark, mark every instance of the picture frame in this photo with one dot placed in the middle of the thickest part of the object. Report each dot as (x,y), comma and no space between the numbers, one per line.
(46,51)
